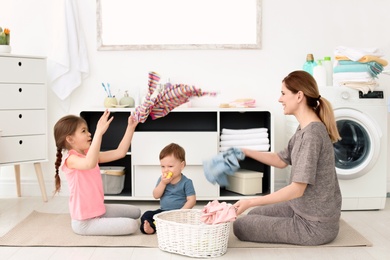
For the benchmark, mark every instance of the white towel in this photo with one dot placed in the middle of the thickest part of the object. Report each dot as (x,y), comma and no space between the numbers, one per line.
(244,131)
(258,141)
(355,76)
(243,136)
(67,60)
(262,148)
(356,53)
(340,78)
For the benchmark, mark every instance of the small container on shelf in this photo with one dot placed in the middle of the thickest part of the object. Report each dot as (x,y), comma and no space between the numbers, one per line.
(246,182)
(110,102)
(113,178)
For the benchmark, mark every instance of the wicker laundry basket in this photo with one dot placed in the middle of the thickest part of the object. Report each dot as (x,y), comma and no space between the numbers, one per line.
(182,232)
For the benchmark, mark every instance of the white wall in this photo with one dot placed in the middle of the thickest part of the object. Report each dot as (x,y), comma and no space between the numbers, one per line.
(290,30)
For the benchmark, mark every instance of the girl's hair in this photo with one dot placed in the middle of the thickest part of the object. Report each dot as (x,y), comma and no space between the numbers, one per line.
(64,127)
(302,81)
(173,149)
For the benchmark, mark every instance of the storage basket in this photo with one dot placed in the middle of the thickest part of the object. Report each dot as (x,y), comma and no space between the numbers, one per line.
(183,232)
(113,178)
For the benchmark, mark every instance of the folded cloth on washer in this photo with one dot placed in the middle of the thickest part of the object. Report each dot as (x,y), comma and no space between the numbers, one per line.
(366,58)
(258,141)
(357,53)
(339,78)
(364,87)
(243,136)
(244,131)
(225,163)
(263,147)
(215,212)
(371,67)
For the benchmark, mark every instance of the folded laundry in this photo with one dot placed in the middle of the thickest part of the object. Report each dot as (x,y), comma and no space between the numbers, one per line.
(257,141)
(216,212)
(263,148)
(364,87)
(244,131)
(225,163)
(371,67)
(352,76)
(244,102)
(243,136)
(357,53)
(366,58)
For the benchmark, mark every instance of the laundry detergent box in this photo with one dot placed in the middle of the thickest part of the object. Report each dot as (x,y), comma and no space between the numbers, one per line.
(246,182)
(113,178)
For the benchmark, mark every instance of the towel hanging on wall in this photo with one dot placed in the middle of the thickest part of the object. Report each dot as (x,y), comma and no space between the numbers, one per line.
(67,60)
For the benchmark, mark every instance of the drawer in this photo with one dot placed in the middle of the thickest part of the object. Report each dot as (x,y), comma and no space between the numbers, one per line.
(22,96)
(24,148)
(22,70)
(199,146)
(22,122)
(146,177)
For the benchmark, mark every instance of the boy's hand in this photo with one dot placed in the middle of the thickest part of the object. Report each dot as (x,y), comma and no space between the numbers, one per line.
(166,177)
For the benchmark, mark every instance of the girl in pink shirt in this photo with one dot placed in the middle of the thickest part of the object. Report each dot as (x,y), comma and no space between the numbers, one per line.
(90,216)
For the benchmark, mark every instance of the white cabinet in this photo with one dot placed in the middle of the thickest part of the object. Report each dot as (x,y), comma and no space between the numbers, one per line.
(198,146)
(23,114)
(197,130)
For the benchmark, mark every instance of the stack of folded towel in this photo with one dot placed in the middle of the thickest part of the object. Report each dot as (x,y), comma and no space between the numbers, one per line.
(252,138)
(357,68)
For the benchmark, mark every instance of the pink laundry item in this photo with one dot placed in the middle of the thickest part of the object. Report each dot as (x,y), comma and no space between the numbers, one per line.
(158,103)
(215,212)
(244,102)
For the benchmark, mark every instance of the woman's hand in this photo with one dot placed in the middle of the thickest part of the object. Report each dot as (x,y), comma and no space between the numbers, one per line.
(241,206)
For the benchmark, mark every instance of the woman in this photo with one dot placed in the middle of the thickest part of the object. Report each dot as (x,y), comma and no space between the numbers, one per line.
(307,211)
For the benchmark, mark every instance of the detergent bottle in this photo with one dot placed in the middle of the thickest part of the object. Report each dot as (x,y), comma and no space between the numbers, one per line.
(309,64)
(319,74)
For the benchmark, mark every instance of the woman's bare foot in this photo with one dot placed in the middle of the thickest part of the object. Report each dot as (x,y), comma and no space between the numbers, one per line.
(147,228)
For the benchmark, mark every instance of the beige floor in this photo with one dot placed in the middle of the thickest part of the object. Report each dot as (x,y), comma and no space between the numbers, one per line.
(374,225)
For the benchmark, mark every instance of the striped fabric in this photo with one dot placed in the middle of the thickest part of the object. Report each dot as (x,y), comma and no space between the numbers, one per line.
(158,103)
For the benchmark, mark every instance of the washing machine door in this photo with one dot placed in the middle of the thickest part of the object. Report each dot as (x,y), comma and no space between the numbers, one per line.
(358,150)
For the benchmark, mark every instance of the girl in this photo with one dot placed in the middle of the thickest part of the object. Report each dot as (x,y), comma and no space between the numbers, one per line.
(90,216)
(307,211)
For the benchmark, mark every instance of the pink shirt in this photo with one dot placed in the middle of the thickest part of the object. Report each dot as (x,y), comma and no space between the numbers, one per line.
(86,191)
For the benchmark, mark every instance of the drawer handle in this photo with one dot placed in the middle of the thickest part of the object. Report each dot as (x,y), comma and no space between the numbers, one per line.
(20,63)
(20,89)
(20,141)
(20,115)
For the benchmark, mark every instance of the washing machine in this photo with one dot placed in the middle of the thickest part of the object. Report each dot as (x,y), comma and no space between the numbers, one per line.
(361,155)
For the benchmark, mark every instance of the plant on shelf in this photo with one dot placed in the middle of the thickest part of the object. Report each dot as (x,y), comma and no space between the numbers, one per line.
(4,36)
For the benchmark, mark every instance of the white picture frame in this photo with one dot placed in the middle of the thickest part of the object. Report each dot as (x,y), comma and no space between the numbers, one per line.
(178,24)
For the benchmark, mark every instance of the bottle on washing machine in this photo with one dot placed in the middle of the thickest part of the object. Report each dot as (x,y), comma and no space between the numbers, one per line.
(319,74)
(309,64)
(329,70)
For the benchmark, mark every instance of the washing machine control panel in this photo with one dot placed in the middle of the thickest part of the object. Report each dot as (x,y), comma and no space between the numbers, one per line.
(371,94)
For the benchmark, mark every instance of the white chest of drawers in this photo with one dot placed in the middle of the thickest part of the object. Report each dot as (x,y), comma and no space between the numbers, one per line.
(23,114)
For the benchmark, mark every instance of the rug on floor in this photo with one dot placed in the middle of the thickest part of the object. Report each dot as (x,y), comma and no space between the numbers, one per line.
(54,230)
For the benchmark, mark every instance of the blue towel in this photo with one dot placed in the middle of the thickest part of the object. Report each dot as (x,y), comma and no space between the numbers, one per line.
(372,67)
(225,163)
